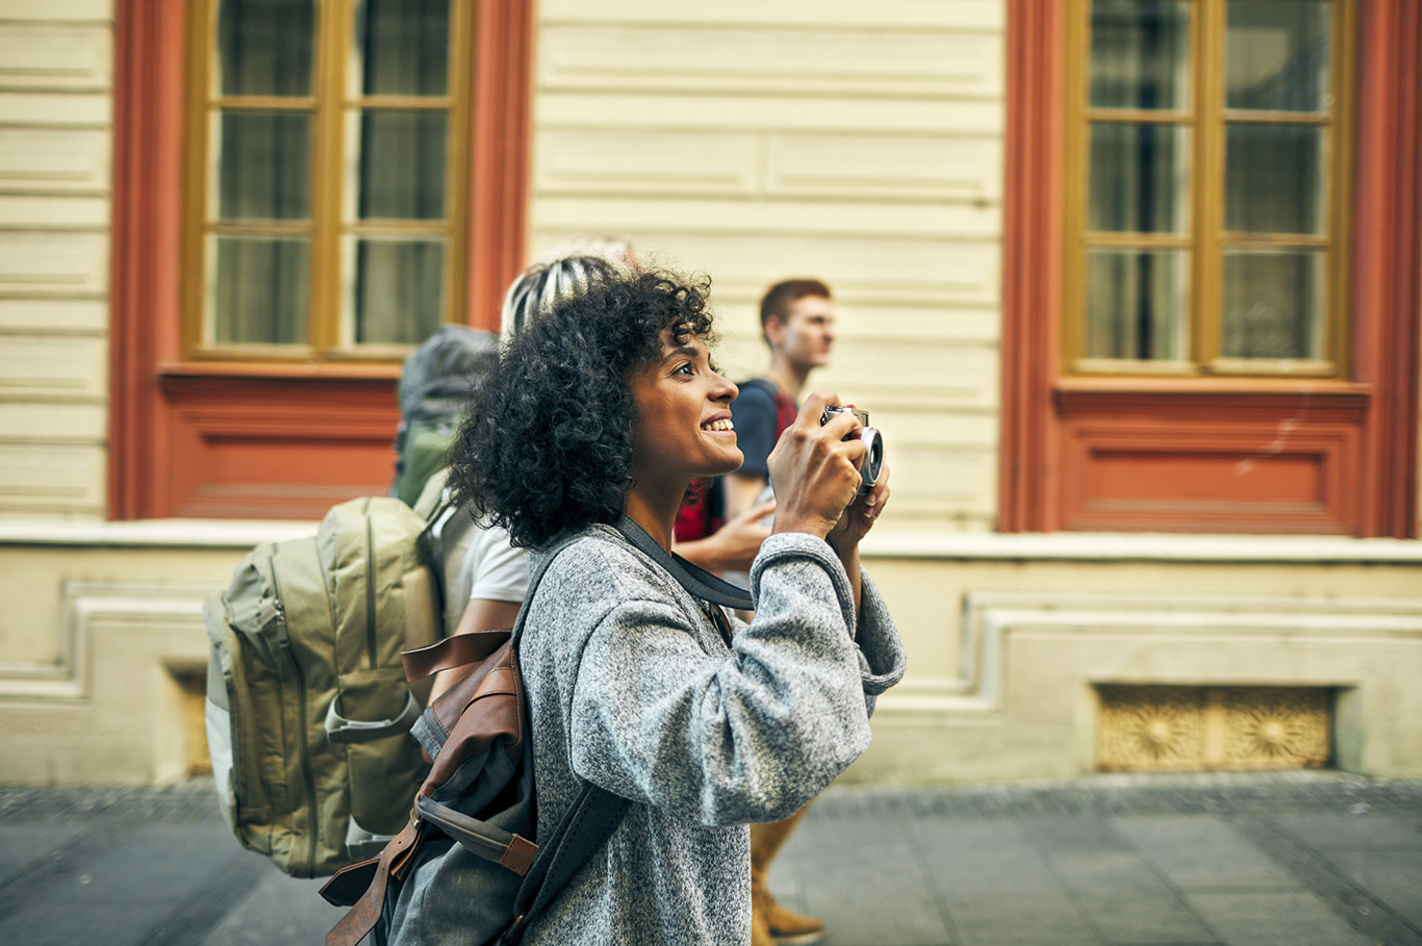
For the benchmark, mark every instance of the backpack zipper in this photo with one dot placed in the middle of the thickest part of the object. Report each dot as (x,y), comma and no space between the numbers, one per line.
(284,642)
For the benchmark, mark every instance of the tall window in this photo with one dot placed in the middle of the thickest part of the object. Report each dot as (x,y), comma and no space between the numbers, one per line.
(1206,208)
(325,203)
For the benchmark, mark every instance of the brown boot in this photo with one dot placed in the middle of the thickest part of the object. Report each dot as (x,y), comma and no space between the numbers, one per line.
(780,926)
(760,931)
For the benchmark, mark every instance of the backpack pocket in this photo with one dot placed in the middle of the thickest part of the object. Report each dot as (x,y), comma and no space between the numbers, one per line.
(371,716)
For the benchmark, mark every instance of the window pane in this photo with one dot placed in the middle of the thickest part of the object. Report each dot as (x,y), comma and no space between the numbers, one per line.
(260,291)
(402,164)
(1273,305)
(265,166)
(1135,304)
(1274,178)
(402,47)
(1140,54)
(1277,55)
(399,290)
(266,47)
(1139,178)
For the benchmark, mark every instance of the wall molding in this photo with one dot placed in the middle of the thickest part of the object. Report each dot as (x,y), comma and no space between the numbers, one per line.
(85,605)
(995,623)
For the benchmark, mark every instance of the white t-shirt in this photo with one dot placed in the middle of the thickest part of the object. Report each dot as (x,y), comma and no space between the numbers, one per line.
(479,562)
(493,568)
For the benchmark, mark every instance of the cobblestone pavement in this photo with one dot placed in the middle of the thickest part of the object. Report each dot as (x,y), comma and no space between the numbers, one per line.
(1258,859)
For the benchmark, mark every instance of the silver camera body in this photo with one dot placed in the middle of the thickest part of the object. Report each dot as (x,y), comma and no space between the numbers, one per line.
(873,443)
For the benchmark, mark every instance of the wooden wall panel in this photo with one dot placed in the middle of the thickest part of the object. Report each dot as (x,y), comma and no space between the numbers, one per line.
(56,66)
(294,448)
(54,160)
(52,479)
(50,56)
(752,142)
(804,58)
(955,14)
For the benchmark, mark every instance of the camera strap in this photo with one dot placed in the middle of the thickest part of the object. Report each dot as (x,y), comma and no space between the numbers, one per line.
(696,580)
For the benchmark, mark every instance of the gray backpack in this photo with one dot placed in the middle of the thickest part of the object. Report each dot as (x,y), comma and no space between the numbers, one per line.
(308,708)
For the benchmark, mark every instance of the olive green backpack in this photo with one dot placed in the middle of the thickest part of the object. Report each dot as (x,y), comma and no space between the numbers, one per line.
(308,709)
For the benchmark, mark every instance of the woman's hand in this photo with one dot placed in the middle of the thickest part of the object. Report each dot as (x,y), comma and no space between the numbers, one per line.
(815,469)
(859,518)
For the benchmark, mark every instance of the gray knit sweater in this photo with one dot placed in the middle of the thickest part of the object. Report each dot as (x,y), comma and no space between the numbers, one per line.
(631,686)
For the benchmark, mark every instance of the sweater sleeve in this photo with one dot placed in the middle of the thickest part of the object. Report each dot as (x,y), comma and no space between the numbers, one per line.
(880,652)
(749,735)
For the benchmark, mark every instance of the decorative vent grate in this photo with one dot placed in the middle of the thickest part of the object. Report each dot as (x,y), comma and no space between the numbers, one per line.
(1172,728)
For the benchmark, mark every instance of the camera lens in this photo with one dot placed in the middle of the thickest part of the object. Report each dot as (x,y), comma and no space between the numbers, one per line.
(873,456)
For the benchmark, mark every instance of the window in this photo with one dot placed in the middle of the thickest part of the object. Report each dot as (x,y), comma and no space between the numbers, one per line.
(1211,318)
(1211,157)
(302,190)
(324,208)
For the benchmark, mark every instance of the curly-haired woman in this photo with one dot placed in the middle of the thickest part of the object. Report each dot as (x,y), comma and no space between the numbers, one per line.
(608,407)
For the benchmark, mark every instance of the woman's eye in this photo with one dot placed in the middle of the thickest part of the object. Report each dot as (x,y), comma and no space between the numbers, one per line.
(683,369)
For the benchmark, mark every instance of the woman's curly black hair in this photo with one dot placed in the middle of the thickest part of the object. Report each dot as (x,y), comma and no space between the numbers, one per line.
(546,446)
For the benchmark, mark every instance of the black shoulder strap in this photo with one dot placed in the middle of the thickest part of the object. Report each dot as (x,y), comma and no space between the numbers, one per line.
(584,828)
(695,579)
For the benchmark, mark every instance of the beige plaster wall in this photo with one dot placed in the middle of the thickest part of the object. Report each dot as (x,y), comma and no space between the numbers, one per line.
(861,143)
(1009,635)
(55,145)
(1006,636)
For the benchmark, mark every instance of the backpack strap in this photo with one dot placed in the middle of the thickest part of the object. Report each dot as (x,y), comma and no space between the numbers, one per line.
(696,580)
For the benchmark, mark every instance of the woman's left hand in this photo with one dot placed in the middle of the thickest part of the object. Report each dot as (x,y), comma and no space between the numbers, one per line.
(859,518)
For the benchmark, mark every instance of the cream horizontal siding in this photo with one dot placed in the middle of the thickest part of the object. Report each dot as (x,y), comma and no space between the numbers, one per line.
(861,143)
(56,76)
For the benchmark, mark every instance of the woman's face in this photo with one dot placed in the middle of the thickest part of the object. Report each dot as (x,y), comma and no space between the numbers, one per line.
(683,426)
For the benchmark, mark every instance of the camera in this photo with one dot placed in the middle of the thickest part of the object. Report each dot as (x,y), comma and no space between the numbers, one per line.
(874,446)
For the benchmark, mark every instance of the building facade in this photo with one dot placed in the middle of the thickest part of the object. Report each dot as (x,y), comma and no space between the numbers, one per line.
(1130,288)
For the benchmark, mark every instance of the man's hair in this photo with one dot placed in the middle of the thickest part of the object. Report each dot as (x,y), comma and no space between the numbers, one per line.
(547,444)
(775,304)
(543,285)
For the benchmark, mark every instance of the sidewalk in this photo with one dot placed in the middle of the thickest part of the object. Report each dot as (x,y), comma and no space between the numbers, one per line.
(1252,860)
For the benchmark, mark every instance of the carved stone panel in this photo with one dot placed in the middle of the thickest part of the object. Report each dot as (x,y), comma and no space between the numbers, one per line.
(1173,728)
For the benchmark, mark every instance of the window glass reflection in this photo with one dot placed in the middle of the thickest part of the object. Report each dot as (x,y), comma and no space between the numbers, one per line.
(1274,178)
(1273,305)
(266,47)
(398,290)
(1140,54)
(1135,304)
(260,291)
(402,165)
(402,47)
(1139,178)
(265,166)
(1276,55)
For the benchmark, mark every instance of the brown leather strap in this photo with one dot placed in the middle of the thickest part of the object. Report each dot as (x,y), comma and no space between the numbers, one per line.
(361,918)
(520,854)
(457,651)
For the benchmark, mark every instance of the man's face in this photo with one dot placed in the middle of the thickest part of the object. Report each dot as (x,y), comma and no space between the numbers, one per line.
(806,333)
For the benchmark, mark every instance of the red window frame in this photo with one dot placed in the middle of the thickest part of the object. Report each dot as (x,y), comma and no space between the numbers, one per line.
(1207,455)
(268,440)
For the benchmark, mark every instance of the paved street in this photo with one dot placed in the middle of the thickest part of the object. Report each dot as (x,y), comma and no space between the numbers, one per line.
(1249,860)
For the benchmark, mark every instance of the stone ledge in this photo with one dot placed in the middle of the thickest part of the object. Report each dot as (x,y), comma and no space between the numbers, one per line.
(1142,547)
(153,533)
(942,546)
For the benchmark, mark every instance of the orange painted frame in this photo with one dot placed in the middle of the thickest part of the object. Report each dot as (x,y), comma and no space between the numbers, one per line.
(164,414)
(1048,422)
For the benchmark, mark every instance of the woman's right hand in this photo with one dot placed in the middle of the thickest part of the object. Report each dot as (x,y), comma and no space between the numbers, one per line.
(814,469)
